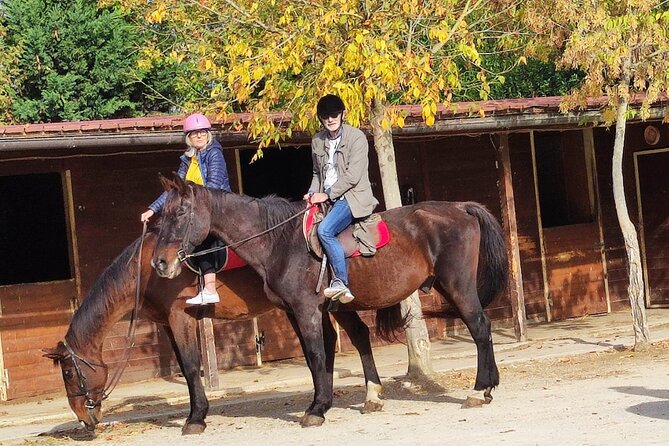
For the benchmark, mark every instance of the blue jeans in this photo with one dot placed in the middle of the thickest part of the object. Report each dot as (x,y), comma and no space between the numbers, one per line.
(338,219)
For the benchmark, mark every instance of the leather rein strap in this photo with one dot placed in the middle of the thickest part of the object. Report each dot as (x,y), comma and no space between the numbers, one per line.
(92,403)
(181,253)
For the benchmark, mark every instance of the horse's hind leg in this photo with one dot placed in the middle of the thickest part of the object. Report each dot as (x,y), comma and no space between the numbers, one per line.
(182,333)
(358,332)
(461,287)
(487,375)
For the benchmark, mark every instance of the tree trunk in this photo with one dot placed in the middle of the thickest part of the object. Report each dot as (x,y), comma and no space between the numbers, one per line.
(635,288)
(418,339)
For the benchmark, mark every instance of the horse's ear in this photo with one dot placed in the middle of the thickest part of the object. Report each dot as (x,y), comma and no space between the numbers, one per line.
(179,183)
(165,182)
(57,353)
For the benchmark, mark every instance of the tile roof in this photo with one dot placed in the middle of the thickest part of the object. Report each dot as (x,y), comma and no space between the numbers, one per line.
(172,123)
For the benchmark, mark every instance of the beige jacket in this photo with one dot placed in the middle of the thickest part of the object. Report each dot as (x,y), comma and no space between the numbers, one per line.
(352,164)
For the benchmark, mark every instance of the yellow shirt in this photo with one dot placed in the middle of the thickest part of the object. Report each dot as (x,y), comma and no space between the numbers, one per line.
(194,173)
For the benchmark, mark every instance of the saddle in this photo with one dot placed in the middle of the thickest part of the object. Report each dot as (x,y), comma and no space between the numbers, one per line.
(224,259)
(363,237)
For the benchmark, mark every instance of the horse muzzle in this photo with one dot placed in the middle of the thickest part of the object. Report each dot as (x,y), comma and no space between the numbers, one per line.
(166,269)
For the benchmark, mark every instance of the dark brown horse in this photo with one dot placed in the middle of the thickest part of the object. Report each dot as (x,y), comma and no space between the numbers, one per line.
(113,296)
(458,244)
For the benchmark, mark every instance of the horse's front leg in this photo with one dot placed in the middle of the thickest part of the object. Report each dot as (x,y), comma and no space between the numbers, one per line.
(182,332)
(358,332)
(318,347)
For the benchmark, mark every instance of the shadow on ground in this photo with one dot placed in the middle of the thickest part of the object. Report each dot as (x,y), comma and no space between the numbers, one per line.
(651,409)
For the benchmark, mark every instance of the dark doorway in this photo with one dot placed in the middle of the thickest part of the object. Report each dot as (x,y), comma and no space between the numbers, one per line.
(564,183)
(33,229)
(285,172)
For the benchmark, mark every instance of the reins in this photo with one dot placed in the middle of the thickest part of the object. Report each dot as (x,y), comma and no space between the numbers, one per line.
(181,252)
(130,337)
(91,403)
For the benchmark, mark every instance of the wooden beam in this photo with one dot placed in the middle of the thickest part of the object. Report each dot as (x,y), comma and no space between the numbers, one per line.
(4,376)
(257,334)
(511,237)
(423,159)
(548,302)
(208,349)
(72,237)
(589,144)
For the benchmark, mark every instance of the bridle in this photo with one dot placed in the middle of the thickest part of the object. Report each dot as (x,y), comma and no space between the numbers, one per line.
(90,403)
(185,241)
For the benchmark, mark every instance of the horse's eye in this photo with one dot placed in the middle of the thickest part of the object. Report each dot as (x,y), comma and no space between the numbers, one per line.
(181,212)
(67,374)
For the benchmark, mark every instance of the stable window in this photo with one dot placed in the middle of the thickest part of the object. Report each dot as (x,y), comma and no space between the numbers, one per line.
(563,177)
(33,235)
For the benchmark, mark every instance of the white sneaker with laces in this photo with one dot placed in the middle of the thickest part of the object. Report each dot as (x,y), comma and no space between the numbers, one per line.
(338,291)
(204,297)
(346,296)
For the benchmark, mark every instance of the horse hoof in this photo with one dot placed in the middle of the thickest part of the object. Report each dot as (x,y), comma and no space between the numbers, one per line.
(193,428)
(372,406)
(311,420)
(471,402)
(488,396)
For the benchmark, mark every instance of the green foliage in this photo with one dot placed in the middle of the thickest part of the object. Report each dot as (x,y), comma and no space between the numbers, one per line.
(8,72)
(282,55)
(535,79)
(622,47)
(75,62)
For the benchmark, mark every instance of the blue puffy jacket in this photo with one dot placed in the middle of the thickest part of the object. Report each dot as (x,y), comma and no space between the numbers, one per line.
(213,168)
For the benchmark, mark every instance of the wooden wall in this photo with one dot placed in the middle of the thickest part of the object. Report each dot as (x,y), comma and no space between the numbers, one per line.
(33,316)
(528,226)
(653,190)
(452,168)
(614,244)
(110,188)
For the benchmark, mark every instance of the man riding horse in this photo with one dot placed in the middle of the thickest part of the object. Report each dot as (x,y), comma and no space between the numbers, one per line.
(340,177)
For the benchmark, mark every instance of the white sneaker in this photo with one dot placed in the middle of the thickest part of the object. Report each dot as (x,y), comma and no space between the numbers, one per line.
(338,291)
(204,297)
(346,296)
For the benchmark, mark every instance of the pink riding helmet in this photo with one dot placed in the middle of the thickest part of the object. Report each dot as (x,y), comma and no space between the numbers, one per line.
(196,121)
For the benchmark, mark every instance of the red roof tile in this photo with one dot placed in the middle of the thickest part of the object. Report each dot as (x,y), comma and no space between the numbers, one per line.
(174,123)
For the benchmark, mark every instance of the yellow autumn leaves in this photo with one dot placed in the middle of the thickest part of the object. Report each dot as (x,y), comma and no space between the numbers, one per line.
(282,55)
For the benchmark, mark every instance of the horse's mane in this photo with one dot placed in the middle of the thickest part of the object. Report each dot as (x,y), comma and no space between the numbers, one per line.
(273,211)
(112,287)
(278,210)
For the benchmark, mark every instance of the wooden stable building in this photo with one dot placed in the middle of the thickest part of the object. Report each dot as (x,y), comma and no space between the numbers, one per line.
(73,192)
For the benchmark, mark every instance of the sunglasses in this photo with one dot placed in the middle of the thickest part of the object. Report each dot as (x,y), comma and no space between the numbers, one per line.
(197,133)
(329,115)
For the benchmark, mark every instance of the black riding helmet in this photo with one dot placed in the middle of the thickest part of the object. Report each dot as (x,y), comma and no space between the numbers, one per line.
(329,105)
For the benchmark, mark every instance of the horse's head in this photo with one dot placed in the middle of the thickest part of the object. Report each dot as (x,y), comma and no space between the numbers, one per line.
(84,382)
(184,225)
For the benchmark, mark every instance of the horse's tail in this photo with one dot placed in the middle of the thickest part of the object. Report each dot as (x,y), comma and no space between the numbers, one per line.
(493,266)
(390,321)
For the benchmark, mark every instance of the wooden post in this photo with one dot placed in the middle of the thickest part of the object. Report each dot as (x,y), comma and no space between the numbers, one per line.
(589,143)
(208,350)
(511,232)
(257,334)
(4,381)
(540,230)
(72,233)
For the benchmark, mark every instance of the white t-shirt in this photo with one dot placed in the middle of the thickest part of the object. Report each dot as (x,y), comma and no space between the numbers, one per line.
(330,171)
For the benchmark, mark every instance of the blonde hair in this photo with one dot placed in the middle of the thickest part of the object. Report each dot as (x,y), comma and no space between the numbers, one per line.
(190,152)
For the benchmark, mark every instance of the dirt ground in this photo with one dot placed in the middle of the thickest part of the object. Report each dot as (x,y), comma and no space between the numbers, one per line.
(612,398)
